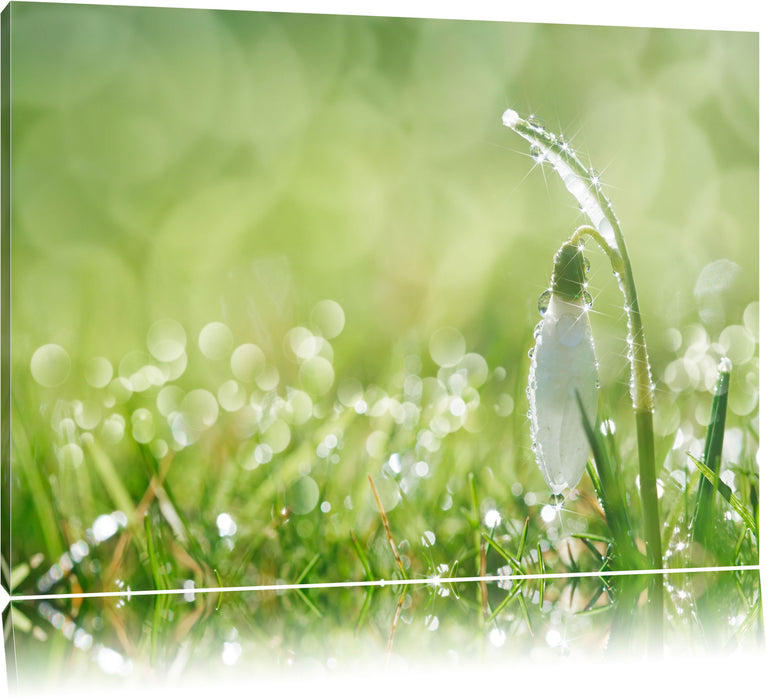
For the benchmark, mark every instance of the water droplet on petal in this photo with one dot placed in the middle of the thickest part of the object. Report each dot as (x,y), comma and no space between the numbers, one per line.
(588,299)
(557,499)
(544,301)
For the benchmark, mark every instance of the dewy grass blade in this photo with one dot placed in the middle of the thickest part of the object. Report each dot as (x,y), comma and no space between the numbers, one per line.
(526,616)
(362,556)
(727,493)
(610,493)
(506,555)
(523,537)
(712,455)
(387,528)
(503,604)
(111,480)
(39,491)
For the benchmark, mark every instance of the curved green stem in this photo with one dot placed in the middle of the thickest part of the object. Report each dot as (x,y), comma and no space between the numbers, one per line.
(584,185)
(610,252)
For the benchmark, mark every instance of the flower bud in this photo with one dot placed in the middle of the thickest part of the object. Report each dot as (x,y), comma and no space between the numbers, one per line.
(563,364)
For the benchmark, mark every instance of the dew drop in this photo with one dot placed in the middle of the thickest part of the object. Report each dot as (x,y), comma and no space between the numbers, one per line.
(536,122)
(143,426)
(509,118)
(231,396)
(544,301)
(158,448)
(447,346)
(247,362)
(50,365)
(268,379)
(168,399)
(98,372)
(71,456)
(537,154)
(300,406)
(586,264)
(316,375)
(113,429)
(538,329)
(200,409)
(166,340)
(329,317)
(504,405)
(588,299)
(216,340)
(531,352)
(557,500)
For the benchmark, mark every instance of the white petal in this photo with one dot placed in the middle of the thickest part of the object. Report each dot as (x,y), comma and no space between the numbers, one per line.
(563,363)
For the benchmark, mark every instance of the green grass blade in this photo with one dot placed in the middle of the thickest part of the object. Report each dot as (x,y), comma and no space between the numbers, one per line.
(591,472)
(611,494)
(541,571)
(509,558)
(726,493)
(362,556)
(523,537)
(39,490)
(111,480)
(308,568)
(524,608)
(307,601)
(503,604)
(158,571)
(712,456)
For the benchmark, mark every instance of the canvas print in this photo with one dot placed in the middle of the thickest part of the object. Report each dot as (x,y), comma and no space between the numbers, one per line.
(340,343)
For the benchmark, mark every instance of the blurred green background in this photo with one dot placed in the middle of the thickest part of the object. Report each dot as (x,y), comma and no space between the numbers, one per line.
(242,166)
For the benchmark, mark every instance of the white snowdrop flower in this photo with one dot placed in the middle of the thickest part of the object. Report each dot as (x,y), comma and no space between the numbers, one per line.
(563,363)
